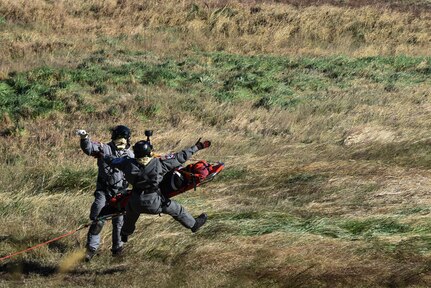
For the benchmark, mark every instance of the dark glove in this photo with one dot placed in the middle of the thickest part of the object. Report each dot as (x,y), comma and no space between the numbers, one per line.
(203,145)
(98,154)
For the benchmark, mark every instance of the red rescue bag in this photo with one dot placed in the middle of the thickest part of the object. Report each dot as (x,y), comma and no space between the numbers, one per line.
(177,181)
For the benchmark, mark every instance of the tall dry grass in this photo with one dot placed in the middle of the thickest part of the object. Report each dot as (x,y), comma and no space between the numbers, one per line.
(60,32)
(329,191)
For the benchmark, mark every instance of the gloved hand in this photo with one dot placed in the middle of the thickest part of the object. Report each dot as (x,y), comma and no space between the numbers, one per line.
(82,133)
(203,145)
(98,154)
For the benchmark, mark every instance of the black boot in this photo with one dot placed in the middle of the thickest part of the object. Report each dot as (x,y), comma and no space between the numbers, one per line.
(199,222)
(89,255)
(117,252)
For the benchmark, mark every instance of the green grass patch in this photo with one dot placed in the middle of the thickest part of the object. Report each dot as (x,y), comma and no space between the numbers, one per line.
(302,178)
(247,223)
(39,179)
(419,244)
(370,227)
(232,173)
(414,210)
(148,111)
(17,205)
(268,81)
(72,179)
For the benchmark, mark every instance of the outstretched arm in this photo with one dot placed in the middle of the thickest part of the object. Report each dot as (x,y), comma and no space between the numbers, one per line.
(89,147)
(171,161)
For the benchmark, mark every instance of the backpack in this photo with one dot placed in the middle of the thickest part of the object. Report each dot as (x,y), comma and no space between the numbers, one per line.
(200,169)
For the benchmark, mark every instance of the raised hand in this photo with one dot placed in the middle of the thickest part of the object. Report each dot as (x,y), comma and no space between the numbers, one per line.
(81,133)
(203,145)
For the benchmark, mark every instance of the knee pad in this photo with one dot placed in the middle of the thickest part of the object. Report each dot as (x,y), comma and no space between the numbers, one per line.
(96,227)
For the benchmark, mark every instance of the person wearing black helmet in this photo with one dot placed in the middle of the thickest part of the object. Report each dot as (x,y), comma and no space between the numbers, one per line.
(144,173)
(110,182)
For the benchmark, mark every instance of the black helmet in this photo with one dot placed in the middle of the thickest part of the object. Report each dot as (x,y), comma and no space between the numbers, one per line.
(121,131)
(142,148)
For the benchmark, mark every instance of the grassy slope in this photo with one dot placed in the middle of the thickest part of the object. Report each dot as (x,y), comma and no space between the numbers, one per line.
(60,33)
(326,181)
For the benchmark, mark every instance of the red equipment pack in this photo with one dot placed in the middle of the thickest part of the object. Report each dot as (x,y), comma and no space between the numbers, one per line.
(177,181)
(200,169)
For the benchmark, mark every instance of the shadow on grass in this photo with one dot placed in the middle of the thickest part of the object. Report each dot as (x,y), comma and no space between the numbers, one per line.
(24,268)
(403,154)
(106,271)
(27,267)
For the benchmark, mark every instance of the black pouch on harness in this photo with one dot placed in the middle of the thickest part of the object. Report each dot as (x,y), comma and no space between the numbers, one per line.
(172,181)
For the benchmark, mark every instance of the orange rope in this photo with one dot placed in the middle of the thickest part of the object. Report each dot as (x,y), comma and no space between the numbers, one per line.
(106,217)
(44,243)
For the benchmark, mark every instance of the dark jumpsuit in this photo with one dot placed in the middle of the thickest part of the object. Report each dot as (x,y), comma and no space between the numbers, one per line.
(110,181)
(146,196)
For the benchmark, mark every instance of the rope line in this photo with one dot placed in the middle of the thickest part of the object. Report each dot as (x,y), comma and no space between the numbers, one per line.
(41,244)
(106,217)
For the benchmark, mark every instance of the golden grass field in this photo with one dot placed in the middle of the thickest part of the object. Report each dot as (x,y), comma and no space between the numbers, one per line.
(321,114)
